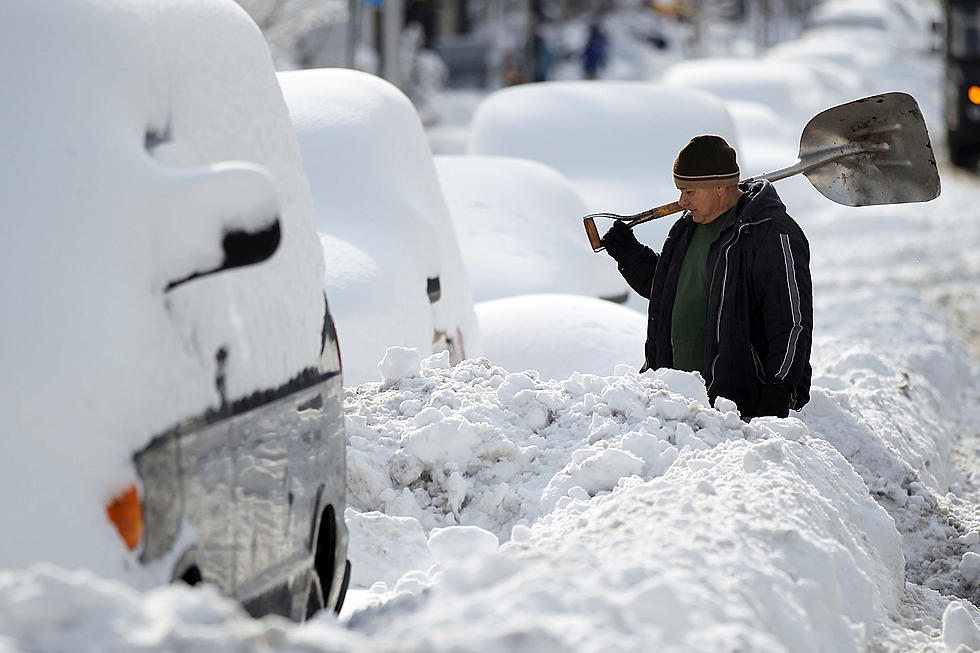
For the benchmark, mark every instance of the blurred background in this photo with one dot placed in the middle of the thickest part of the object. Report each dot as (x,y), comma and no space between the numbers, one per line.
(424,46)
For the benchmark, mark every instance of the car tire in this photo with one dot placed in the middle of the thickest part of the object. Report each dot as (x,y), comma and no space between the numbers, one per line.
(343,588)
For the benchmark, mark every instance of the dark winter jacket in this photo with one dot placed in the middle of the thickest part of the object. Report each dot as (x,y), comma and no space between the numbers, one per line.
(760,304)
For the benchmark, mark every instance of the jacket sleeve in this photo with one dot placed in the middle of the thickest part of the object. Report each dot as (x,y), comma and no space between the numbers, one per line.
(637,265)
(785,295)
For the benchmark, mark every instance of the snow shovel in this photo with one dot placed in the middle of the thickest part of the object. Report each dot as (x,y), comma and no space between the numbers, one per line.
(870,151)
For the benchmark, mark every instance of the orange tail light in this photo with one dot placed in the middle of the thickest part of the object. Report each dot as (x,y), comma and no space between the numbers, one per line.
(126,512)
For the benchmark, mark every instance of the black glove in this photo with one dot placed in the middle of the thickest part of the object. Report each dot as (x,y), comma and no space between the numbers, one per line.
(773,401)
(619,240)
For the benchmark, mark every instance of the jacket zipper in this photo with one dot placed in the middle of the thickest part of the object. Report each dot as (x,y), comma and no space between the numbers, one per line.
(727,247)
(759,367)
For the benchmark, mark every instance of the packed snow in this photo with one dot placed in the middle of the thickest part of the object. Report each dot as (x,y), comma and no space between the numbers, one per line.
(506,507)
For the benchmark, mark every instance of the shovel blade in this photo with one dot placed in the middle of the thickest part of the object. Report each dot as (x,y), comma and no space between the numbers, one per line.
(895,163)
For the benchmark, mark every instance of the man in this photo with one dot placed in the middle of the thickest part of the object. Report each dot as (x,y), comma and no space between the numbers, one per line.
(730,295)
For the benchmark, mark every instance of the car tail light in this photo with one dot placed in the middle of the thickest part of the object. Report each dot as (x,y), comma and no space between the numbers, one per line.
(126,513)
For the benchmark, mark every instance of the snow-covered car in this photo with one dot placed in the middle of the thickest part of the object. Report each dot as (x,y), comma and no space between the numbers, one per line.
(394,273)
(839,65)
(906,23)
(615,141)
(519,229)
(794,91)
(171,397)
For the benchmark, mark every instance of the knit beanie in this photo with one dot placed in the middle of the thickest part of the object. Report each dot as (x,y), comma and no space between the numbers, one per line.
(706,162)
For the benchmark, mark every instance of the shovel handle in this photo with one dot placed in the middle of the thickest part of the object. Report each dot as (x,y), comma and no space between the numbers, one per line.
(592,233)
(631,221)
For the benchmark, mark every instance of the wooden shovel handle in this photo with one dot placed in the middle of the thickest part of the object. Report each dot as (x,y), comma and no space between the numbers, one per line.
(631,221)
(592,233)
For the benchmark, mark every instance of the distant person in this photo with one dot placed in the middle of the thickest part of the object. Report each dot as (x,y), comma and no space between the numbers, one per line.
(511,71)
(540,55)
(730,294)
(595,54)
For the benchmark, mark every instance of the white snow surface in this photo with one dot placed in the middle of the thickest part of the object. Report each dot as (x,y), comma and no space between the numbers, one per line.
(558,334)
(502,509)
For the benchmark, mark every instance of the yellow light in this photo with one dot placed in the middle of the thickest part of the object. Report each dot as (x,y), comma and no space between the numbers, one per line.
(125,511)
(974,94)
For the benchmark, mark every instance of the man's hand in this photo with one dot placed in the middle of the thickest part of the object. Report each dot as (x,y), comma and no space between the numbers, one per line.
(619,239)
(773,401)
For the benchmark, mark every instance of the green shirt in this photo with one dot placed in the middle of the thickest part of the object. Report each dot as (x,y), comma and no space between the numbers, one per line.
(691,300)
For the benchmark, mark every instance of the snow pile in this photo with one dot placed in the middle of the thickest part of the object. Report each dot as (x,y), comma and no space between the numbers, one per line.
(384,224)
(496,511)
(628,504)
(126,166)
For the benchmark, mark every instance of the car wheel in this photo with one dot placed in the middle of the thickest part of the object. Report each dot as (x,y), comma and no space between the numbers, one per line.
(343,588)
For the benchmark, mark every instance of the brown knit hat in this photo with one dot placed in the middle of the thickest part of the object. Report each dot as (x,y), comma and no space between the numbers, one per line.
(706,162)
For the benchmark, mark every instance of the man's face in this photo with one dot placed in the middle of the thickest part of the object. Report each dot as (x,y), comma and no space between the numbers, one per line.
(704,204)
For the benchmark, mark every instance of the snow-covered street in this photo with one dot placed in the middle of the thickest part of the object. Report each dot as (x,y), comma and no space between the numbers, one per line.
(497,509)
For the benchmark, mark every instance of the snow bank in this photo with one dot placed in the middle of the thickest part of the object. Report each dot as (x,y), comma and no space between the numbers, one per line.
(496,511)
(384,224)
(95,615)
(129,157)
(627,503)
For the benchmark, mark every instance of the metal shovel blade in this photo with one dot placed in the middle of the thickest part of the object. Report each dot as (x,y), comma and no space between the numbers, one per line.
(878,149)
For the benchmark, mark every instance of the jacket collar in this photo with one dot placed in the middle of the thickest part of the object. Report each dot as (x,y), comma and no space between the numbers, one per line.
(759,200)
